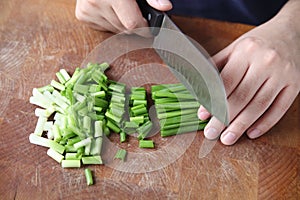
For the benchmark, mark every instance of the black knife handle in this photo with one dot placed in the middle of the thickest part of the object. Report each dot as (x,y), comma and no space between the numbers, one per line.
(154,17)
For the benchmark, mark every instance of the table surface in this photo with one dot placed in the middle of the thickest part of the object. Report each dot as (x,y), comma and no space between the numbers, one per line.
(38,37)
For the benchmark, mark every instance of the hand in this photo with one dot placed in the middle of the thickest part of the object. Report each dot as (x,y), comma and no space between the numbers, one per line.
(115,15)
(260,71)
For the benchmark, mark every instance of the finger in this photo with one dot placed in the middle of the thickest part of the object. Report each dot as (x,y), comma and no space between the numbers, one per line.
(234,71)
(279,107)
(240,97)
(232,76)
(131,17)
(203,114)
(245,91)
(114,20)
(213,128)
(221,58)
(104,26)
(258,105)
(129,14)
(162,5)
(92,13)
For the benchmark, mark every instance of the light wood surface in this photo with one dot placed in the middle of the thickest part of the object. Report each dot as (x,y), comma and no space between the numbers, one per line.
(38,37)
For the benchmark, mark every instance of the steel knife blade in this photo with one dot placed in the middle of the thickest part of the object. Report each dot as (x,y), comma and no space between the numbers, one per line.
(190,63)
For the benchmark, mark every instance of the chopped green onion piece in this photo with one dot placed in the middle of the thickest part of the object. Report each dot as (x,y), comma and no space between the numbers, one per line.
(55,155)
(88,176)
(70,148)
(35,101)
(137,119)
(117,87)
(56,133)
(179,105)
(113,117)
(39,128)
(41,141)
(91,160)
(74,78)
(182,129)
(121,154)
(60,77)
(79,97)
(96,146)
(146,144)
(70,163)
(179,119)
(98,129)
(176,113)
(82,143)
(122,136)
(81,89)
(100,94)
(65,74)
(140,111)
(113,126)
(194,123)
(87,124)
(106,131)
(97,109)
(74,140)
(138,96)
(104,66)
(144,130)
(46,88)
(94,88)
(131,124)
(57,85)
(48,125)
(87,148)
(138,102)
(59,100)
(72,156)
(100,102)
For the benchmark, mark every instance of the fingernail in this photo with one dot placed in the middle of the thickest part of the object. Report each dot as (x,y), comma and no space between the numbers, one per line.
(211,133)
(164,2)
(228,138)
(203,115)
(254,133)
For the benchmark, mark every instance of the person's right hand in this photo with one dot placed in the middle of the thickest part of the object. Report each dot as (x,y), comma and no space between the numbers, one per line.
(115,15)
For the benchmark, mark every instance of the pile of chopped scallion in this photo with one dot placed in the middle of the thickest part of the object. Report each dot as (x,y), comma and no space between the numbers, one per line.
(75,112)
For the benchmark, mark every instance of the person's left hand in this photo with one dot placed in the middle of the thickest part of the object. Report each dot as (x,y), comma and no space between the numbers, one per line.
(260,71)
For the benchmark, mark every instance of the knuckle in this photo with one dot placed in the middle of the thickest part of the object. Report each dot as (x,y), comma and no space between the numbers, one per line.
(270,56)
(243,95)
(263,102)
(227,80)
(239,126)
(251,44)
(92,2)
(131,24)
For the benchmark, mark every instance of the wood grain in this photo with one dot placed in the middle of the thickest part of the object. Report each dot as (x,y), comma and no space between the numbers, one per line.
(38,37)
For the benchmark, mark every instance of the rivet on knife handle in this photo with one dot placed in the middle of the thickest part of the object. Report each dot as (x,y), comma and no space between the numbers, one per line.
(154,17)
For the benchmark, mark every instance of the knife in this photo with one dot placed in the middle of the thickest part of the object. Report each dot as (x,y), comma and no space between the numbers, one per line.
(190,63)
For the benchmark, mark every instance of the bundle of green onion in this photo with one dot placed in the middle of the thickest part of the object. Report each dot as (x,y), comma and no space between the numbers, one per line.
(176,109)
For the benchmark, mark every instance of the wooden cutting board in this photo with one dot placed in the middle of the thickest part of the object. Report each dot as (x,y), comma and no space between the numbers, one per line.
(39,37)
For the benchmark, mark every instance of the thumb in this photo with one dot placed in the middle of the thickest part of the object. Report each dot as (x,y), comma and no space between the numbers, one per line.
(162,5)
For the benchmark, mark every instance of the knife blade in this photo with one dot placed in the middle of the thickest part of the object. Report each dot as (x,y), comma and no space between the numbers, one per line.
(189,63)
